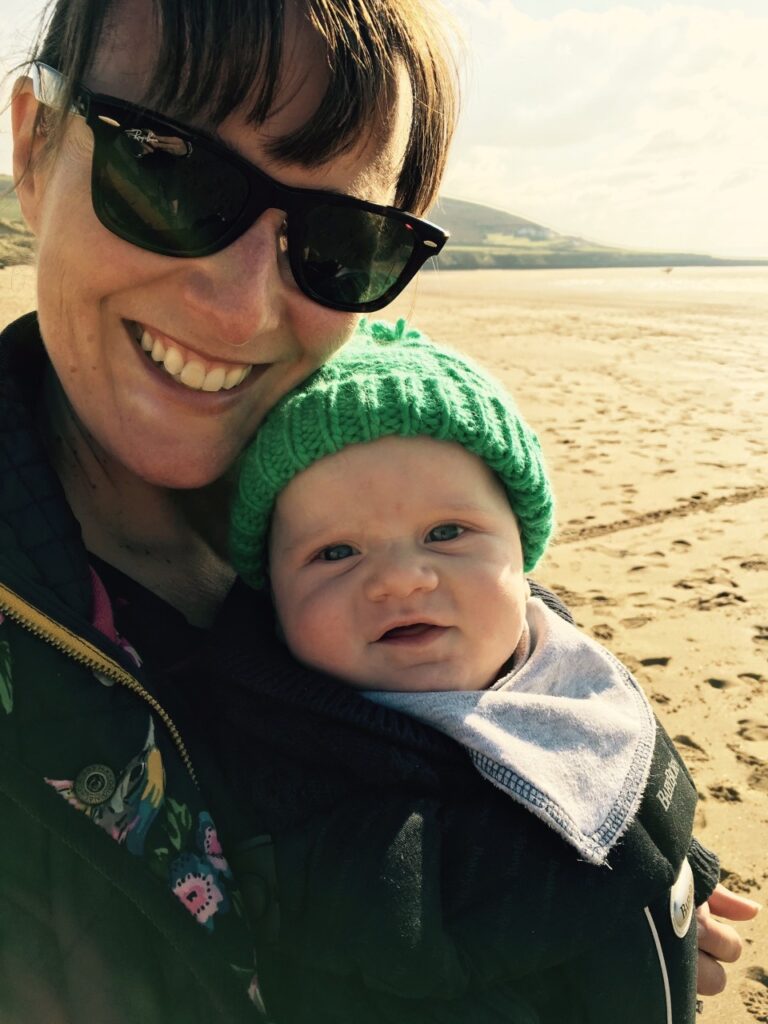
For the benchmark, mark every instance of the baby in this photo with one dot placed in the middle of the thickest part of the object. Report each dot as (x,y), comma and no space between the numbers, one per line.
(393,504)
(398,499)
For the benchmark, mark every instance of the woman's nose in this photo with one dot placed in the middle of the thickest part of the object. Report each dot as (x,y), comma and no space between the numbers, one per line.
(240,289)
(399,575)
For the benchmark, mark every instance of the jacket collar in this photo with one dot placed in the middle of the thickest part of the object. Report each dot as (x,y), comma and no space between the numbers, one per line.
(41,549)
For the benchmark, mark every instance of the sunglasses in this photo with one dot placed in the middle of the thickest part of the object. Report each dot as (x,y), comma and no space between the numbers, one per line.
(173,190)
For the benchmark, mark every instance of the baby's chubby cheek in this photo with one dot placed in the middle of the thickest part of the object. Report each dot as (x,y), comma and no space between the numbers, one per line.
(322,638)
(301,627)
(500,615)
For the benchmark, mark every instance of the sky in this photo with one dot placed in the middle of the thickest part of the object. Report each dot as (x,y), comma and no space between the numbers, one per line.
(640,124)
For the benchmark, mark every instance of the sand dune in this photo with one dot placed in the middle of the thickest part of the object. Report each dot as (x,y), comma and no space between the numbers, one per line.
(649,393)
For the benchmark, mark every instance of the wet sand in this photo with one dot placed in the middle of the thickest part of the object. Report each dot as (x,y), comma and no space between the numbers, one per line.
(649,391)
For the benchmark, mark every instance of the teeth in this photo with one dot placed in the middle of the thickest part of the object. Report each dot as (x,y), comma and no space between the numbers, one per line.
(173,362)
(214,379)
(191,374)
(234,377)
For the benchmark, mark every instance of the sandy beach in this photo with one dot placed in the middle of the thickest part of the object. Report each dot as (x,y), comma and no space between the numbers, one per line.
(649,391)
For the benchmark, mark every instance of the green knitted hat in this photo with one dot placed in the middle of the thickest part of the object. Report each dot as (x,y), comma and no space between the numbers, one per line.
(389,380)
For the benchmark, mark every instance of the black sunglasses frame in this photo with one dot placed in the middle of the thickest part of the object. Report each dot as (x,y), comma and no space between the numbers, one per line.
(263,192)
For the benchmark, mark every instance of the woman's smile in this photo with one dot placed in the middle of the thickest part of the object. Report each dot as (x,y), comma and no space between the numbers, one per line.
(189,368)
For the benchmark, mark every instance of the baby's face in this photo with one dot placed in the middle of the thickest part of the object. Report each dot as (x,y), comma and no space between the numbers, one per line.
(397,565)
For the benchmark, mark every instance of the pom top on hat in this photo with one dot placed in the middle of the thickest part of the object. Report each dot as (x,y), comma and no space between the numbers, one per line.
(389,380)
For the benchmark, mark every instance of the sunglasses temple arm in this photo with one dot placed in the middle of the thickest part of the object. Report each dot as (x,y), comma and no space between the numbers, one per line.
(49,88)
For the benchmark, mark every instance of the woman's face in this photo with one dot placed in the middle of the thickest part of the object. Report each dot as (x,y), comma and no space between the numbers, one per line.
(235,312)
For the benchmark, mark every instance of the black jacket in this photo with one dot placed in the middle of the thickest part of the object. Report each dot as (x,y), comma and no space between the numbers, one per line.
(91,931)
(392,884)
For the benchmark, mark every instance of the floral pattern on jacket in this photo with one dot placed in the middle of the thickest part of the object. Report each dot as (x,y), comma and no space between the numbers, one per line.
(188,857)
(192,862)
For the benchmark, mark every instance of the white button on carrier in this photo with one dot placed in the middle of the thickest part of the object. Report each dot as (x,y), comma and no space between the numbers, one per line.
(681,901)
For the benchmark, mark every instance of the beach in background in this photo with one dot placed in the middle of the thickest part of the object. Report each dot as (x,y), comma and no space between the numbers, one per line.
(649,390)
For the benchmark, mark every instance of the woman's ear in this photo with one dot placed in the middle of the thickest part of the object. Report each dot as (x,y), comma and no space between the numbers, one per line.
(28,144)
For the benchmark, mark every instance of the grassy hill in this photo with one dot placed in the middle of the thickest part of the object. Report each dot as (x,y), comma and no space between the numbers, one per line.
(15,240)
(481,238)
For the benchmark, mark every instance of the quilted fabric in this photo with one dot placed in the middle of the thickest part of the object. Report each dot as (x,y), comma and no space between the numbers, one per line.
(40,539)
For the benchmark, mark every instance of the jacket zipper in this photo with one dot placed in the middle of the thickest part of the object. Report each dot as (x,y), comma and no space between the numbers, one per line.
(87,654)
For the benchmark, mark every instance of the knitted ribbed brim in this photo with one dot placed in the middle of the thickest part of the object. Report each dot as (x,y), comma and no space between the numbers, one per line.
(389,381)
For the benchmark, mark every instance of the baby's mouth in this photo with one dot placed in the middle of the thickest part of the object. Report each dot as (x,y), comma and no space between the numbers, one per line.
(186,367)
(411,631)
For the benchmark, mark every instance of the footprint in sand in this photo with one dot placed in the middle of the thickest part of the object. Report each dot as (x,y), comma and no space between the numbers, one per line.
(727,793)
(647,662)
(761,635)
(756,564)
(737,883)
(759,778)
(570,597)
(751,760)
(636,622)
(753,731)
(754,994)
(690,748)
(602,632)
(722,600)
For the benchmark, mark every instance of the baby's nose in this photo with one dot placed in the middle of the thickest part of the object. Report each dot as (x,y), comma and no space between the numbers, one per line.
(400,574)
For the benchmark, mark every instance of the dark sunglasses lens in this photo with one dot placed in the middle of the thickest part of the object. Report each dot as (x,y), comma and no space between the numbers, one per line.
(158,191)
(351,257)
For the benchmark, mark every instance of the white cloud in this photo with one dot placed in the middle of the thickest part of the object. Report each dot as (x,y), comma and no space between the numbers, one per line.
(640,125)
(636,127)
(20,21)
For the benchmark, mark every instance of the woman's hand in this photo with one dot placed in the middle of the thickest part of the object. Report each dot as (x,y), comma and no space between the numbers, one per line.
(719,941)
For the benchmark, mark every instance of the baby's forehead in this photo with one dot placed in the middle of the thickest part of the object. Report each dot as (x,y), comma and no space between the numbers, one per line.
(416,471)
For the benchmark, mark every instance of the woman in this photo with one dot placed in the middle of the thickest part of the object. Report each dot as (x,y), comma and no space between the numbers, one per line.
(192,267)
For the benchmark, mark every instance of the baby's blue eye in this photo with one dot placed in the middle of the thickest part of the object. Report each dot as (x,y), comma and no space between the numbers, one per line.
(445,531)
(336,552)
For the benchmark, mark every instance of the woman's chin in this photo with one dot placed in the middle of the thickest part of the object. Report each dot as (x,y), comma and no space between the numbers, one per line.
(176,470)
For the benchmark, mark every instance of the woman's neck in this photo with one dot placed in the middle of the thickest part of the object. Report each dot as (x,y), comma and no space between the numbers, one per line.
(172,542)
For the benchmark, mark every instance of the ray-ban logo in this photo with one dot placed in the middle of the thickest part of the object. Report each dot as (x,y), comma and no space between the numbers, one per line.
(667,791)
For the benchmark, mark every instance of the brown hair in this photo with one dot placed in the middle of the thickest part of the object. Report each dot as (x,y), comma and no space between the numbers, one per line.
(366,42)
